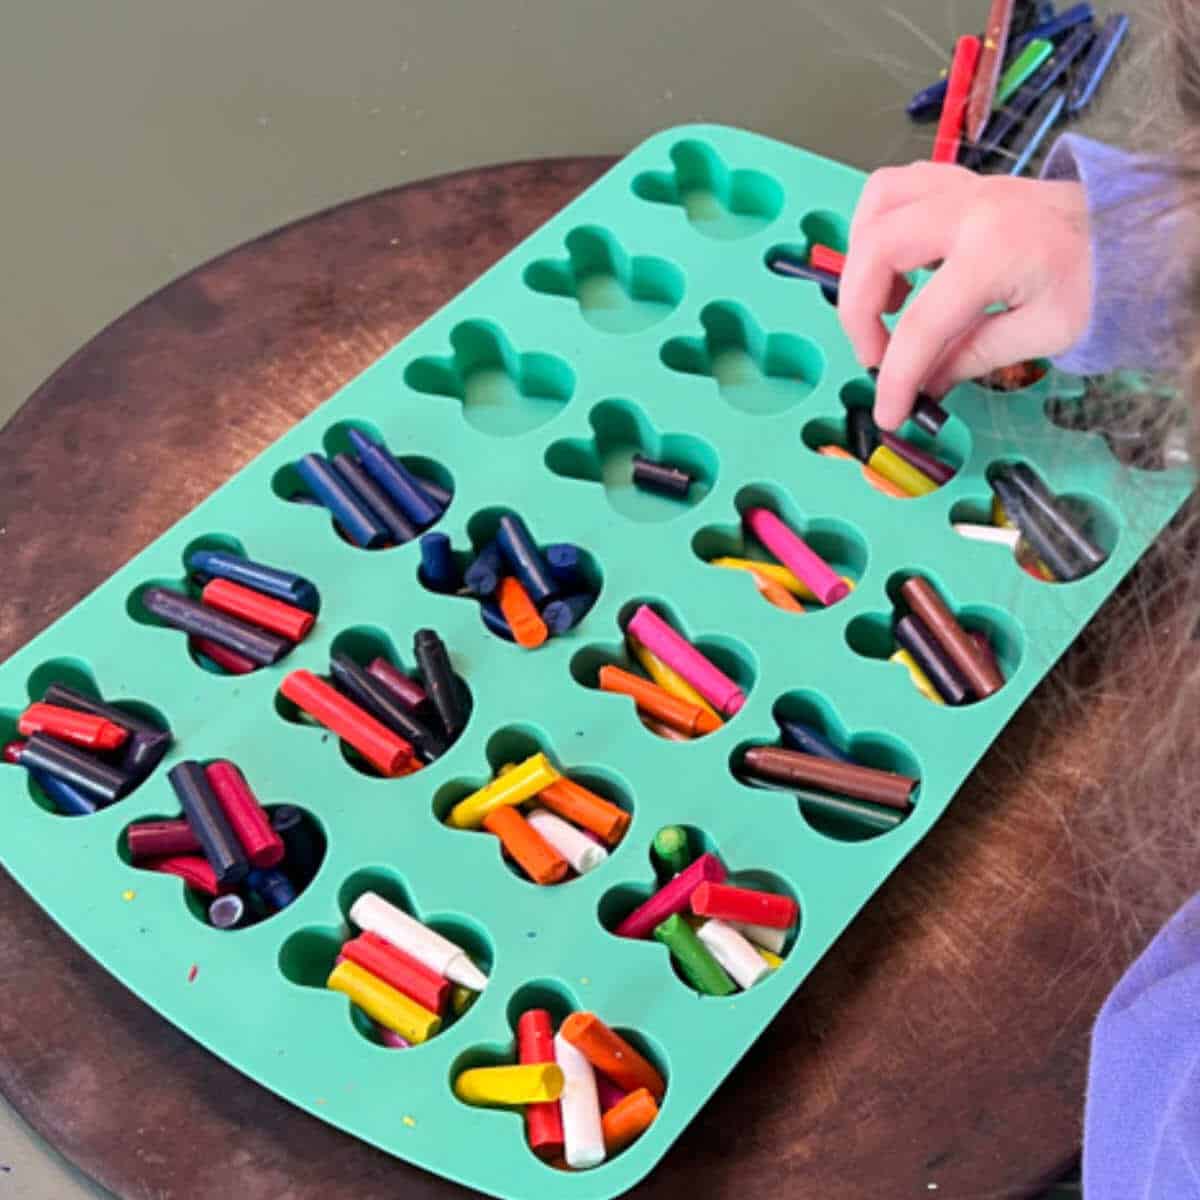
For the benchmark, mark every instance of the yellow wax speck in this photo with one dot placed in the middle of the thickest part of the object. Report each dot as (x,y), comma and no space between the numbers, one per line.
(128,894)
(584,980)
(320,1101)
(410,1122)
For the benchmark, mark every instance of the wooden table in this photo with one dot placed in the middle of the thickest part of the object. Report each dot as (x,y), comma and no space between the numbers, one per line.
(943,1041)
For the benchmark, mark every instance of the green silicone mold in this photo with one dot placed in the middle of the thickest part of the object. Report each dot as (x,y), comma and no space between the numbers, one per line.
(659,329)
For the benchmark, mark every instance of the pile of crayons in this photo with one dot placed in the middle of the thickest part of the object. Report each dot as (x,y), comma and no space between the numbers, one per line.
(723,939)
(374,499)
(407,978)
(832,788)
(392,722)
(249,863)
(569,833)
(587,1093)
(799,575)
(686,695)
(82,753)
(1010,86)
(1048,540)
(947,663)
(248,615)
(526,595)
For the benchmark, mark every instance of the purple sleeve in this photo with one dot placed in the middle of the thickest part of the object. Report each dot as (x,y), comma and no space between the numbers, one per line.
(1142,1128)
(1139,267)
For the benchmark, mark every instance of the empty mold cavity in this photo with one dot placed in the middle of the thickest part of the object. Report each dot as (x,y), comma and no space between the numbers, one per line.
(502,392)
(363,644)
(616,292)
(621,430)
(513,745)
(757,372)
(719,202)
(585,579)
(558,1001)
(620,901)
(1146,437)
(1087,513)
(726,653)
(309,955)
(951,446)
(838,543)
(304,833)
(872,634)
(76,674)
(288,485)
(847,818)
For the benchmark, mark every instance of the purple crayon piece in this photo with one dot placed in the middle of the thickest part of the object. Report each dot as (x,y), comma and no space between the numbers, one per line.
(671,898)
(407,691)
(940,472)
(390,1038)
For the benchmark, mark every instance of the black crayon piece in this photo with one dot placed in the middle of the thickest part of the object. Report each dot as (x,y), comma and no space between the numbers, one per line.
(207,819)
(92,776)
(441,684)
(143,752)
(483,574)
(913,634)
(862,434)
(660,477)
(1041,537)
(302,852)
(368,692)
(270,581)
(1048,507)
(272,887)
(67,697)
(182,612)
(526,560)
(399,527)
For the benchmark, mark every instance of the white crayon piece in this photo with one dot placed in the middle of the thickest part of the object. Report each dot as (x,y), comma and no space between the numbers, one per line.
(583,1134)
(576,847)
(732,951)
(989,533)
(374,914)
(760,935)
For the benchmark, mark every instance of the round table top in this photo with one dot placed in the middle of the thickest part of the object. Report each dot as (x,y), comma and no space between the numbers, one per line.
(940,1048)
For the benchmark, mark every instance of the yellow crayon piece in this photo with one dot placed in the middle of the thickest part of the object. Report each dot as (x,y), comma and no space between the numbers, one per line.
(530,1083)
(903,474)
(772,960)
(999,516)
(461,998)
(919,678)
(383,1003)
(775,572)
(513,787)
(668,679)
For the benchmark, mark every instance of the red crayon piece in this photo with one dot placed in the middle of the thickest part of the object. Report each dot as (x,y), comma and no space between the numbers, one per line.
(264,611)
(672,898)
(193,870)
(610,1095)
(226,659)
(246,817)
(728,903)
(161,839)
(399,970)
(386,751)
(12,752)
(543,1122)
(954,110)
(70,725)
(826,258)
(407,691)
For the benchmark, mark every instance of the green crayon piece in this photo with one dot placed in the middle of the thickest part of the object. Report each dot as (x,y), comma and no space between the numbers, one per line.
(858,812)
(1020,69)
(671,848)
(703,971)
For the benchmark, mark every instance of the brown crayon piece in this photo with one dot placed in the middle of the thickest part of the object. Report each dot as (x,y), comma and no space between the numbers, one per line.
(983,676)
(796,769)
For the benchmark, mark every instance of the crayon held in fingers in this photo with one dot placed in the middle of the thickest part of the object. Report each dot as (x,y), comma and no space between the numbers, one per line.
(376,501)
(415,497)
(347,508)
(682,657)
(921,681)
(69,725)
(513,787)
(230,661)
(96,779)
(66,798)
(940,472)
(627,1120)
(577,848)
(928,414)
(264,611)
(182,612)
(383,1004)
(914,636)
(399,970)
(583,1136)
(688,718)
(582,807)
(543,1122)
(525,559)
(796,555)
(728,903)
(984,678)
(532,1083)
(954,107)
(695,960)
(886,462)
(795,768)
(160,839)
(528,628)
(610,1054)
(364,689)
(195,871)
(526,846)
(660,477)
(735,955)
(270,581)
(671,848)
(246,817)
(673,897)
(209,823)
(386,751)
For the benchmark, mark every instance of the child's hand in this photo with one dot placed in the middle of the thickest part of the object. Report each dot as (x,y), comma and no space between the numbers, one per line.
(1018,242)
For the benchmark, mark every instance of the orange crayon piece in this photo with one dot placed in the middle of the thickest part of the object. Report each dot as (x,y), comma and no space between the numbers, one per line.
(577,804)
(873,477)
(611,1054)
(776,593)
(528,849)
(521,613)
(657,703)
(627,1120)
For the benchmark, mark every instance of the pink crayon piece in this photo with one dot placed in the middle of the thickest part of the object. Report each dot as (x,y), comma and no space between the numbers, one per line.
(672,898)
(608,1092)
(684,659)
(391,1039)
(792,551)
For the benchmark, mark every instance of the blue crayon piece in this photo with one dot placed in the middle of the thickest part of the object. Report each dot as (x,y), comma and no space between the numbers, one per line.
(798,736)
(378,503)
(272,887)
(564,560)
(926,105)
(66,798)
(395,479)
(438,569)
(1033,132)
(493,618)
(483,574)
(271,581)
(1099,58)
(1044,10)
(522,554)
(564,614)
(781,264)
(348,510)
(1056,27)
(439,495)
